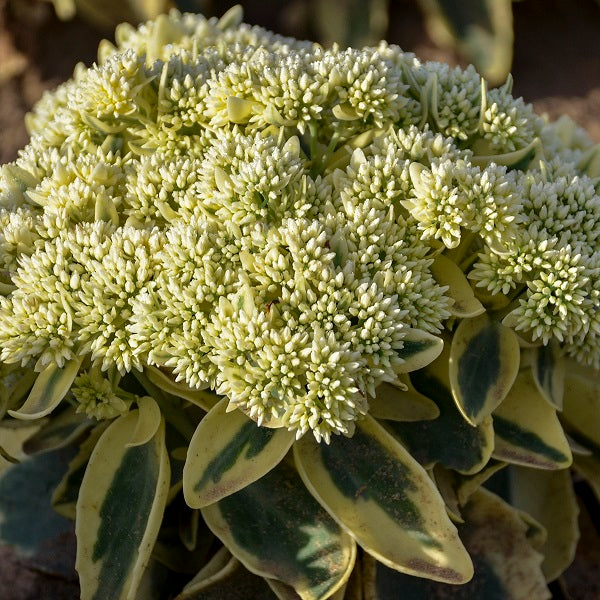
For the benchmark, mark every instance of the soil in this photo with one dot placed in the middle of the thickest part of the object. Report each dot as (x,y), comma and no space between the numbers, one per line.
(556,67)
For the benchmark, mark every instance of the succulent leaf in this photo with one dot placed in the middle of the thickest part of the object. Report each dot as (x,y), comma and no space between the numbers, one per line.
(446,272)
(581,410)
(149,420)
(119,510)
(506,566)
(227,452)
(278,530)
(418,350)
(467,448)
(484,361)
(50,387)
(549,372)
(549,498)
(527,429)
(376,490)
(202,398)
(396,404)
(64,497)
(64,428)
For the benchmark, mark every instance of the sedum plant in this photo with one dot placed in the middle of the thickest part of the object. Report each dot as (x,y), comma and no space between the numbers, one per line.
(313,323)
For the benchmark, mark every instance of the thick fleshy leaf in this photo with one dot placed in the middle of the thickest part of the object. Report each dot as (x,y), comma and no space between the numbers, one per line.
(518,159)
(50,387)
(449,439)
(420,348)
(12,440)
(119,511)
(64,497)
(589,468)
(527,429)
(27,522)
(396,404)
(536,533)
(149,419)
(506,566)
(224,577)
(377,491)
(205,399)
(549,373)
(484,361)
(549,498)
(227,452)
(581,411)
(469,484)
(15,383)
(60,431)
(169,549)
(278,530)
(286,592)
(481,29)
(215,569)
(233,582)
(447,272)
(446,482)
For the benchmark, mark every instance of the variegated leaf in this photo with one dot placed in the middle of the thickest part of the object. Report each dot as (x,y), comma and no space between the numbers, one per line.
(215,569)
(15,383)
(549,498)
(518,159)
(506,566)
(549,373)
(446,482)
(278,530)
(205,399)
(50,387)
(469,484)
(449,439)
(149,419)
(169,549)
(12,440)
(536,533)
(60,431)
(589,468)
(396,404)
(119,511)
(527,429)
(64,497)
(446,272)
(484,361)
(419,349)
(286,592)
(232,582)
(376,490)
(28,523)
(581,411)
(227,452)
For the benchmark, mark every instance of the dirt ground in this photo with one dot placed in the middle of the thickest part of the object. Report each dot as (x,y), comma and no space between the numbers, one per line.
(556,67)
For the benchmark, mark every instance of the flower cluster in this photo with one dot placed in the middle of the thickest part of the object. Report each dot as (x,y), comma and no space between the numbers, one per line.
(258,216)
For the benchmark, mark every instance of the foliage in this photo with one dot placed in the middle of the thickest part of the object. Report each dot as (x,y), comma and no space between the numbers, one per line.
(309,302)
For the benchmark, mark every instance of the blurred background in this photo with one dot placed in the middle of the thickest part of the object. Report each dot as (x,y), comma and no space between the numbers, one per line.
(552,47)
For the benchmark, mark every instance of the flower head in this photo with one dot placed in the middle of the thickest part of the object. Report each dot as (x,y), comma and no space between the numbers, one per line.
(259,216)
